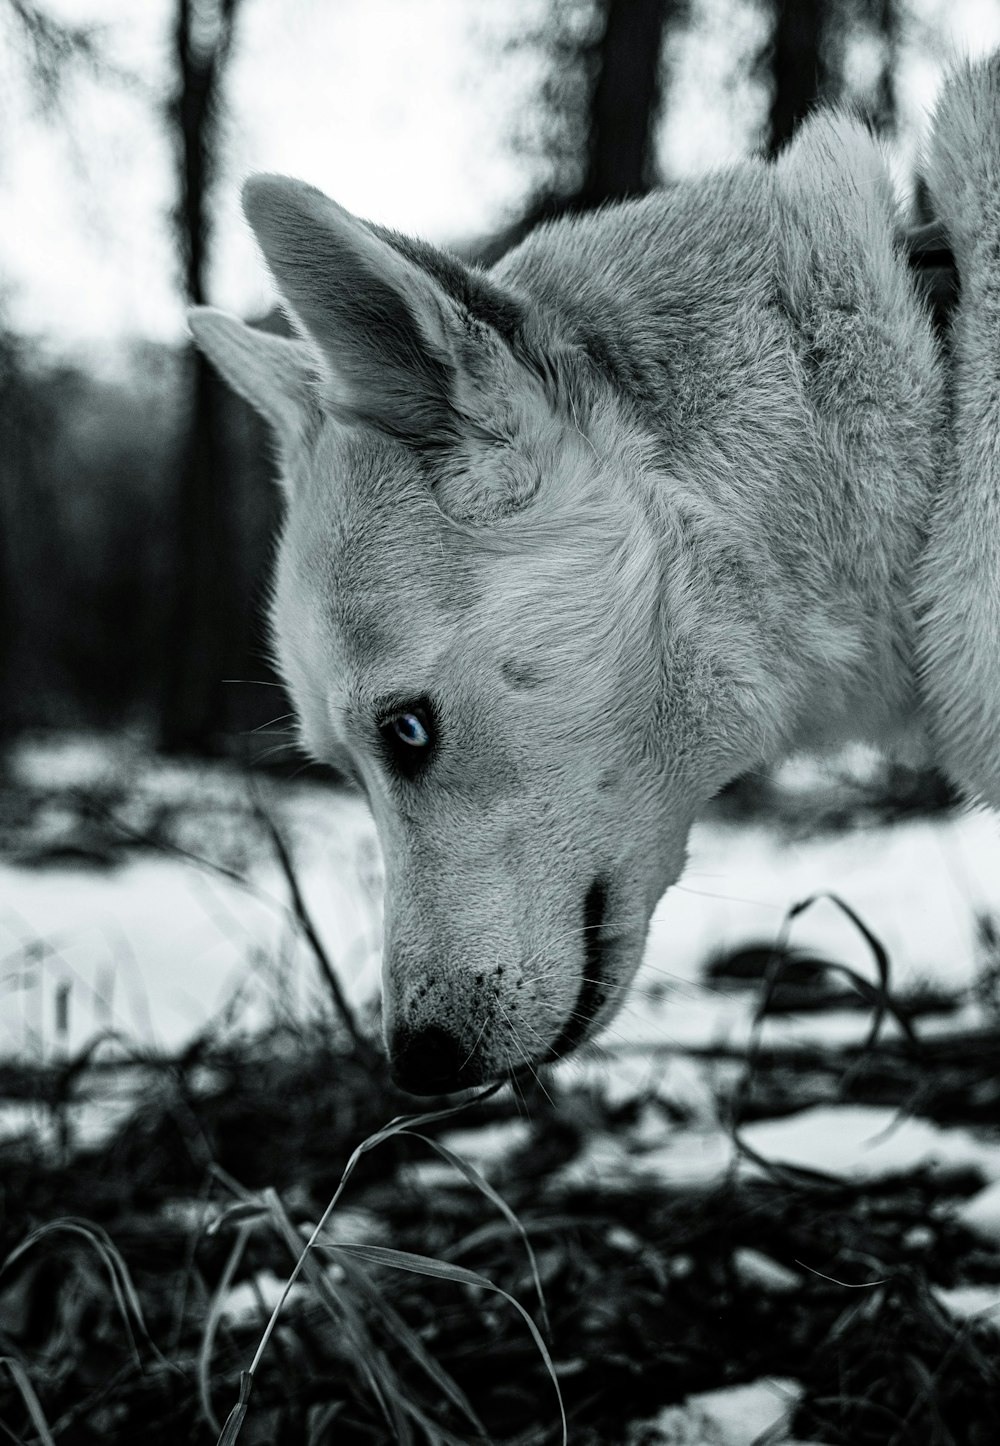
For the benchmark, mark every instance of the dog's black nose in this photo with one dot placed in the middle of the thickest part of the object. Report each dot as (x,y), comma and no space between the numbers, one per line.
(429,1061)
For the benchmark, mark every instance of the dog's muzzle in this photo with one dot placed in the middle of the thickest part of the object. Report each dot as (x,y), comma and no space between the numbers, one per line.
(431,1061)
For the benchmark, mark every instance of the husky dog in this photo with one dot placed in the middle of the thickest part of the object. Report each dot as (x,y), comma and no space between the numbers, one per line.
(672,490)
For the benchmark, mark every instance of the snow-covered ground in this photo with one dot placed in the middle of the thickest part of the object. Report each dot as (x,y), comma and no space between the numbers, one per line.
(161,947)
(157,948)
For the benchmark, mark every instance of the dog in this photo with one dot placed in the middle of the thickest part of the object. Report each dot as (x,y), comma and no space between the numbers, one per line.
(673,490)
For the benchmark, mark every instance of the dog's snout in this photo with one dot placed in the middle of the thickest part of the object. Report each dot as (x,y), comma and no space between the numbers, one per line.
(429,1061)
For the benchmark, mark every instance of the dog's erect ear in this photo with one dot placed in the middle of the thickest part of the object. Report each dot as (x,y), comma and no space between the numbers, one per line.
(388,333)
(275,374)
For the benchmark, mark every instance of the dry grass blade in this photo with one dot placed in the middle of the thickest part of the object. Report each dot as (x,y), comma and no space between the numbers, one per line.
(213,1319)
(304,920)
(369,1361)
(394,1127)
(301,1254)
(237,1415)
(459,1275)
(406,1337)
(485,1188)
(124,1292)
(879,995)
(31,1402)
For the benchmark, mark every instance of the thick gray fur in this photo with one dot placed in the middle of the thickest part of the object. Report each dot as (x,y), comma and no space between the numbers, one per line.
(674,490)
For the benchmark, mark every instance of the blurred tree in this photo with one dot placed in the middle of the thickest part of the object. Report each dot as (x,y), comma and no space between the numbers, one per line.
(797,58)
(890,25)
(14,455)
(202,611)
(877,26)
(624,100)
(599,103)
(806,60)
(49,52)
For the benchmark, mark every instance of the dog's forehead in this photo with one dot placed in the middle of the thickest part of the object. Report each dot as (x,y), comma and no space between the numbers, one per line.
(367,517)
(369,573)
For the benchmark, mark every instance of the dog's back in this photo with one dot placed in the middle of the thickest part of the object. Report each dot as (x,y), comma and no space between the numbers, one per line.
(958,592)
(763,326)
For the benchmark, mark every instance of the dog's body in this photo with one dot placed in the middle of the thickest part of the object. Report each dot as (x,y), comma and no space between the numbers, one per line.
(675,489)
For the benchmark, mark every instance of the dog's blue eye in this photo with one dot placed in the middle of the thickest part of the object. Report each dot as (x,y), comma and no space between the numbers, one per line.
(408,738)
(409,729)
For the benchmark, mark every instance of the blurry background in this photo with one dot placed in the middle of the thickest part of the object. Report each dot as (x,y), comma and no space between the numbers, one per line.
(137,512)
(189,950)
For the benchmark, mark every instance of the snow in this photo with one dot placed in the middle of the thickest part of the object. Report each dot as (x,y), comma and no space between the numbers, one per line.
(687,1159)
(981,1214)
(978,1304)
(918,887)
(487,1143)
(858,1143)
(252,1301)
(734,1416)
(159,947)
(74,1124)
(757,1269)
(866,1143)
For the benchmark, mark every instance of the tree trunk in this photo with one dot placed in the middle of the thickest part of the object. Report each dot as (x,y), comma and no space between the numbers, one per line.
(625,102)
(202,622)
(887,20)
(798,63)
(613,131)
(11,463)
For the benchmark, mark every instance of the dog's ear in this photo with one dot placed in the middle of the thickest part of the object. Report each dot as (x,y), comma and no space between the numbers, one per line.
(275,374)
(389,335)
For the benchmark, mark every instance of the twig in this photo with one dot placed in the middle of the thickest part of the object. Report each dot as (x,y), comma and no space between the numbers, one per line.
(304,920)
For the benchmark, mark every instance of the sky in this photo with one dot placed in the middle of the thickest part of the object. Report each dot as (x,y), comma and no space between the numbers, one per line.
(403,110)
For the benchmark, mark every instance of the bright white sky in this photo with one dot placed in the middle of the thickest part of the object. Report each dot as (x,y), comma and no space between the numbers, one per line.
(404,110)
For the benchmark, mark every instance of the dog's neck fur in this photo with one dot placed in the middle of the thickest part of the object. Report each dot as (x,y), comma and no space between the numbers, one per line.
(751,346)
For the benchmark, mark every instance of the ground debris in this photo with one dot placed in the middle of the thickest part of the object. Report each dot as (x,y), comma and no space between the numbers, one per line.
(656,1290)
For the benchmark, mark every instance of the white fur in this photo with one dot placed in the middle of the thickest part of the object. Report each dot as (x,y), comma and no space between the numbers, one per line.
(676,488)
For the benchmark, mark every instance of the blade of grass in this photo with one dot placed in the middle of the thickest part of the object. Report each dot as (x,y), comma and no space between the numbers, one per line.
(212,1319)
(267,1208)
(125,1294)
(305,922)
(442,1270)
(411,1342)
(301,1254)
(879,995)
(401,1122)
(31,1402)
(236,1417)
(484,1187)
(368,1359)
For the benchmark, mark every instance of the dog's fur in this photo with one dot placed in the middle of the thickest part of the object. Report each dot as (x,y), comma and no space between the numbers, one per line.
(674,489)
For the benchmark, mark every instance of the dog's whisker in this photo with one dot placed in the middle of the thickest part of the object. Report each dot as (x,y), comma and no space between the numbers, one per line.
(482,1031)
(254,682)
(281,718)
(524,1053)
(726,898)
(513,1077)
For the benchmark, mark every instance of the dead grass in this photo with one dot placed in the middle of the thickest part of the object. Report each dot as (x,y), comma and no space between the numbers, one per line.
(117,1320)
(158,1288)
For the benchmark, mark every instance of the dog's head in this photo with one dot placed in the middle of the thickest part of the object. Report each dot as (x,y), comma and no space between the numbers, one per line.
(492,614)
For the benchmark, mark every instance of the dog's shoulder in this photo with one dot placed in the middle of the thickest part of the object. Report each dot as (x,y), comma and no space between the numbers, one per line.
(957,589)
